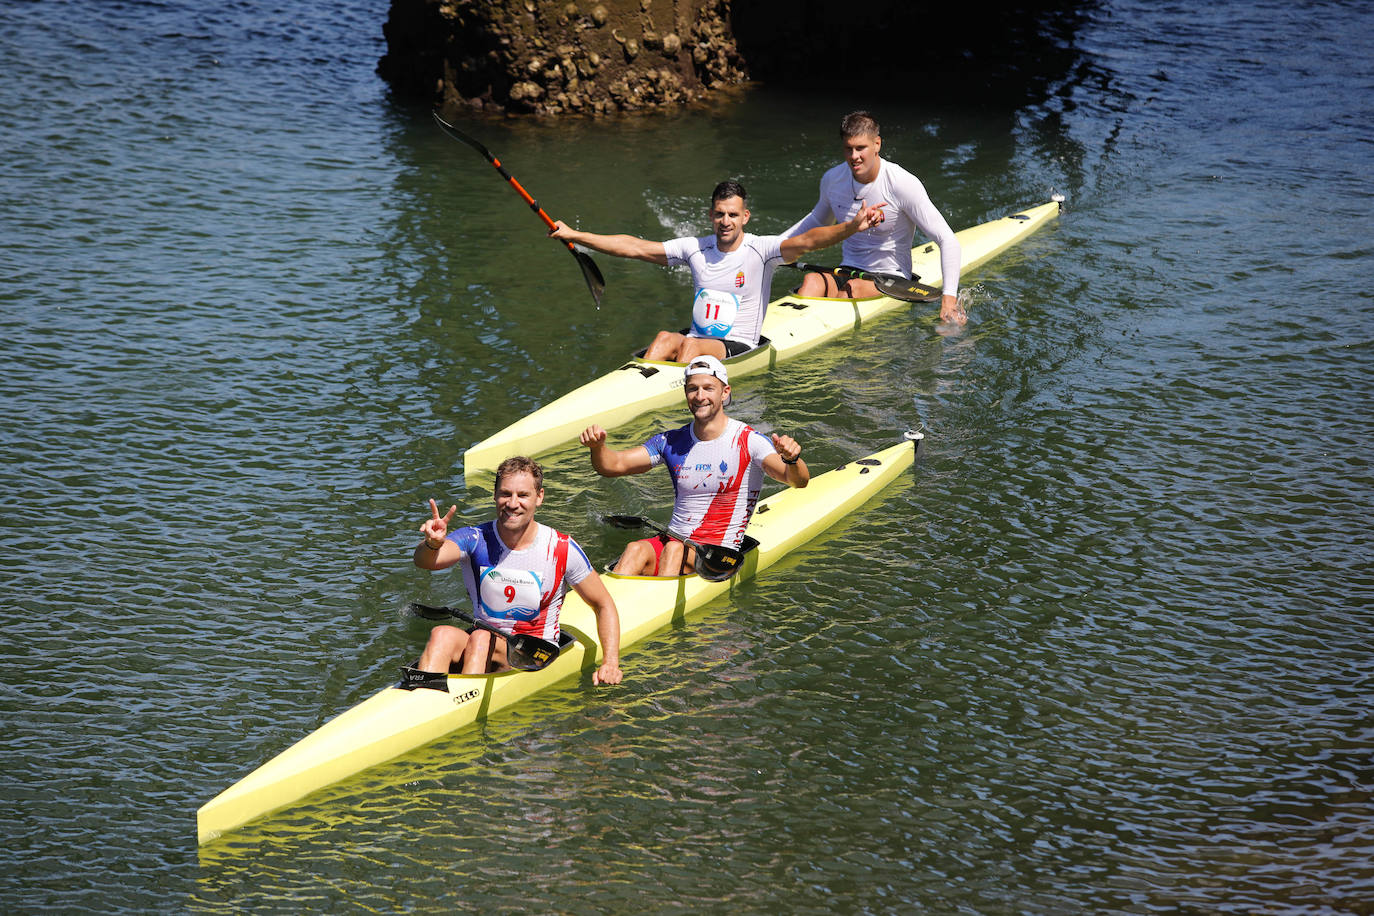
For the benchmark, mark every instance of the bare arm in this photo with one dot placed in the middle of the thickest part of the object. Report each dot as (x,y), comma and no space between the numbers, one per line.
(825,236)
(593,591)
(611,463)
(621,246)
(785,463)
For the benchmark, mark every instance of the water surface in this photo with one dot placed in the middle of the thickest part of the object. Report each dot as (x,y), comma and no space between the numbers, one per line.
(1107,649)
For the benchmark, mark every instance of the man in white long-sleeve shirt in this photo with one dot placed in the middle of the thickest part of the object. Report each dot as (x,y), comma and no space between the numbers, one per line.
(866,179)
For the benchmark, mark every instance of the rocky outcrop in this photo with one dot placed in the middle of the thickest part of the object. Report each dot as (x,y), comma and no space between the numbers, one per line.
(597,56)
(560,56)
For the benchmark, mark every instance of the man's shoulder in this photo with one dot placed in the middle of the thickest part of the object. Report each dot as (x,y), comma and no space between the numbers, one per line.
(474,531)
(690,244)
(762,243)
(837,172)
(669,438)
(897,177)
(553,534)
(750,432)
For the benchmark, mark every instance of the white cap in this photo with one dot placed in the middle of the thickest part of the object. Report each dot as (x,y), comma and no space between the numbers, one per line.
(707,365)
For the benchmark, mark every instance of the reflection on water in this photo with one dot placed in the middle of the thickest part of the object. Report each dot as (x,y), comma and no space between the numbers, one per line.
(1104,652)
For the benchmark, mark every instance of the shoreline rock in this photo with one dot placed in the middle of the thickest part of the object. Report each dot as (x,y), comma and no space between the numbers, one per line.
(598,57)
(554,57)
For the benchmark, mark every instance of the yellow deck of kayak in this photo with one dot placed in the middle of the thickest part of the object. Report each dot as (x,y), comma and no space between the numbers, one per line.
(793,325)
(394,721)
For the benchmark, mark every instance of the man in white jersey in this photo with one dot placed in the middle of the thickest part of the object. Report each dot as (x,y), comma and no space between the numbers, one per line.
(717,466)
(865,179)
(732,271)
(517,572)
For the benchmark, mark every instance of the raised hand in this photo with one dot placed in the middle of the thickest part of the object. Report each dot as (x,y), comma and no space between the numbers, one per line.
(786,447)
(593,436)
(869,217)
(435,528)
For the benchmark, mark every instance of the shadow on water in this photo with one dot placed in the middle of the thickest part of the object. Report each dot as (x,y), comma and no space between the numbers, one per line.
(994,56)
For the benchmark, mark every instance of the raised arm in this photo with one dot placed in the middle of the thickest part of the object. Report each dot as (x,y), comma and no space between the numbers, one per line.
(611,463)
(825,236)
(436,551)
(785,463)
(621,246)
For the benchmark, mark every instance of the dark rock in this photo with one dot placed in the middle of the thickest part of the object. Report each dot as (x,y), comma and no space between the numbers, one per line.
(634,54)
(495,55)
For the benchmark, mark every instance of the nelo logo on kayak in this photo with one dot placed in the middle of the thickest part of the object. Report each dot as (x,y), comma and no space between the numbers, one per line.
(462,698)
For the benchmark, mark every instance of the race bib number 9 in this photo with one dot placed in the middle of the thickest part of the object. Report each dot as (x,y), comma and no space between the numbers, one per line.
(510,594)
(713,313)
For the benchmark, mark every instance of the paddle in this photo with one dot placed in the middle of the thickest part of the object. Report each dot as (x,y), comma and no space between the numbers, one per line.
(523,651)
(714,562)
(595,282)
(889,285)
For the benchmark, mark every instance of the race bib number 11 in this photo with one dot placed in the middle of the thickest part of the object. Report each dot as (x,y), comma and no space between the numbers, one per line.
(713,313)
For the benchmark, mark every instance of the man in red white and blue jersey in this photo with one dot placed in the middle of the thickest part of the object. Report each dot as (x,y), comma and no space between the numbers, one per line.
(517,572)
(716,464)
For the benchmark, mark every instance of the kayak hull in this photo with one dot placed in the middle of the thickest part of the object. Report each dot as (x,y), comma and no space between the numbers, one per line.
(395,721)
(615,398)
(792,326)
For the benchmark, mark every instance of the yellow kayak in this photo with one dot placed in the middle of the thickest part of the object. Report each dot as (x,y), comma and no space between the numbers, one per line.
(793,325)
(394,721)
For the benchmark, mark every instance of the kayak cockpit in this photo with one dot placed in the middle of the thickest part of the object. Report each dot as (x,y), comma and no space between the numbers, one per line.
(644,365)
(717,572)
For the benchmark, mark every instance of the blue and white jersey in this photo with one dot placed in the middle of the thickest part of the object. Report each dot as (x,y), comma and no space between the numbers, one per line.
(519,591)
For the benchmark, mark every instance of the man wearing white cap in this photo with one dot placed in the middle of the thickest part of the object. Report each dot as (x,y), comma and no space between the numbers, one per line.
(717,466)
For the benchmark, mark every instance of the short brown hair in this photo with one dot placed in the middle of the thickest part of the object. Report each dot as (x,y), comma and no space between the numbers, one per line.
(519,464)
(727,189)
(858,124)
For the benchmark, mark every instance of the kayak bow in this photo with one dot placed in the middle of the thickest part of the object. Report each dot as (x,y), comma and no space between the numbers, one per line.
(394,721)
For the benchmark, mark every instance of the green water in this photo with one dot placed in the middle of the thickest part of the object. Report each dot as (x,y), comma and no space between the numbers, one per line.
(1107,650)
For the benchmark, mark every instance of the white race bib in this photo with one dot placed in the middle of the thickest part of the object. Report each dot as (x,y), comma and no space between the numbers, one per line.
(713,313)
(510,594)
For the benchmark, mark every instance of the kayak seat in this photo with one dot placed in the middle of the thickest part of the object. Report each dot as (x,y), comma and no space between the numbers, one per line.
(763,343)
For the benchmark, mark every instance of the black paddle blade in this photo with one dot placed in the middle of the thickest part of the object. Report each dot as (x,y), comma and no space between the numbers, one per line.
(716,563)
(906,290)
(430,612)
(592,274)
(523,651)
(625,521)
(529,653)
(458,135)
